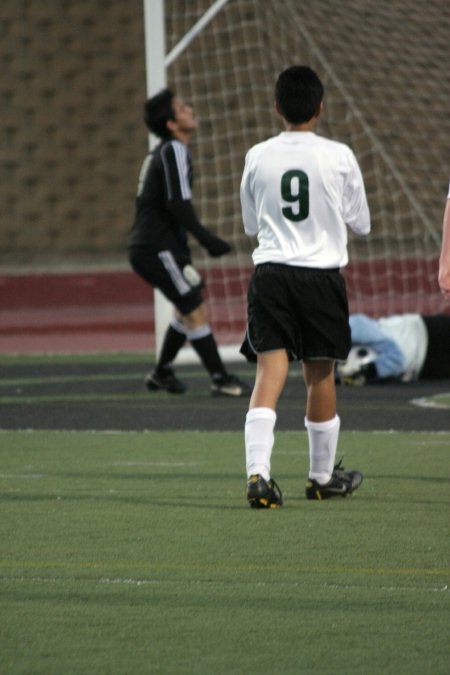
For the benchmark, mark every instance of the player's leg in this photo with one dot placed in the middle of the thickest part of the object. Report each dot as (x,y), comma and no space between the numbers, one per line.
(321,390)
(321,420)
(163,377)
(164,271)
(269,342)
(202,339)
(182,285)
(326,479)
(271,373)
(186,325)
(177,334)
(325,338)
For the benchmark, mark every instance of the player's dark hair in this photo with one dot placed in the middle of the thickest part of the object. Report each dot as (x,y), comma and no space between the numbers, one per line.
(158,111)
(298,94)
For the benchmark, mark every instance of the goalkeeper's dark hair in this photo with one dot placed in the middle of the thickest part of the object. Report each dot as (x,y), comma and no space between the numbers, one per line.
(298,94)
(158,111)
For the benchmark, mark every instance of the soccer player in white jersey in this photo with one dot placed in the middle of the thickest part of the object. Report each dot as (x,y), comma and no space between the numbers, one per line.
(299,192)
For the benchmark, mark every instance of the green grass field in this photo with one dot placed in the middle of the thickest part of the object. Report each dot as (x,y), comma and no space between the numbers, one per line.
(130,553)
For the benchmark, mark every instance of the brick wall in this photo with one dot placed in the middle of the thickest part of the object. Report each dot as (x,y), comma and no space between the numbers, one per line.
(73,83)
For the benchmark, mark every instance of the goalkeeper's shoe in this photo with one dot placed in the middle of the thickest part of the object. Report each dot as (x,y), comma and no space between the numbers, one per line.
(229,385)
(155,381)
(263,494)
(341,484)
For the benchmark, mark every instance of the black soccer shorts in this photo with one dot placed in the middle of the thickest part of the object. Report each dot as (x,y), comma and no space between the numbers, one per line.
(302,310)
(172,274)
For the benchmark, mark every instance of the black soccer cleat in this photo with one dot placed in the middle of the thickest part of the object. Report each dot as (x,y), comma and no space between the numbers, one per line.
(263,494)
(167,382)
(229,385)
(341,484)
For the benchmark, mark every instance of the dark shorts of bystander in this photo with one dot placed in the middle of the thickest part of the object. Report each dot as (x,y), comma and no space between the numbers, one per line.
(437,360)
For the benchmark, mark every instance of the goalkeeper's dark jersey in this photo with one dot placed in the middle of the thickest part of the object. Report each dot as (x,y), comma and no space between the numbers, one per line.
(164,211)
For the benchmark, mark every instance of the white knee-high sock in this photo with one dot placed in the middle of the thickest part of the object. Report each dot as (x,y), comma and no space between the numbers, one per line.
(259,440)
(323,439)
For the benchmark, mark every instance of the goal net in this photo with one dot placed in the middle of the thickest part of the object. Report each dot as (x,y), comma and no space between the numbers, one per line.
(384,66)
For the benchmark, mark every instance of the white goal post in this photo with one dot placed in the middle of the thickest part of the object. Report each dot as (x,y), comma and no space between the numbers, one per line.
(155,50)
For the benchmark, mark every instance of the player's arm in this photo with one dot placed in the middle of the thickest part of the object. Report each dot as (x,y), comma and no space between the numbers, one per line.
(183,212)
(356,209)
(247,201)
(179,195)
(389,361)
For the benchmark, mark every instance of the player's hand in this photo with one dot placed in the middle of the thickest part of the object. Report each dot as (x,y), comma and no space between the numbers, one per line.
(217,247)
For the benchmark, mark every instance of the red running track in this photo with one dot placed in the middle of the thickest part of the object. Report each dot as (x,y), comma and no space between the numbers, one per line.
(112,311)
(97,312)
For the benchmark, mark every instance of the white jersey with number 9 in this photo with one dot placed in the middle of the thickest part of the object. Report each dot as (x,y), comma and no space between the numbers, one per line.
(299,192)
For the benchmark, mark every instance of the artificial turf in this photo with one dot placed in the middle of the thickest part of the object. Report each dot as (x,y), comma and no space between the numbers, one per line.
(137,553)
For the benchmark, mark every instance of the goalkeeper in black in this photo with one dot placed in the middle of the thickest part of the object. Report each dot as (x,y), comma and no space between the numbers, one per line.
(159,251)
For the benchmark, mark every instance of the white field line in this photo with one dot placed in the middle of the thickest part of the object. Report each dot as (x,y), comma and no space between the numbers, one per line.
(427,402)
(127,581)
(130,432)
